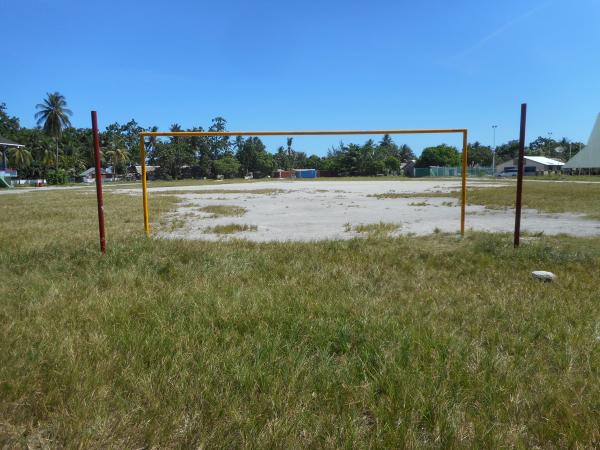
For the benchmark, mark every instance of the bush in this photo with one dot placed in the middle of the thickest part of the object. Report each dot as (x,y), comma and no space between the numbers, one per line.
(57,177)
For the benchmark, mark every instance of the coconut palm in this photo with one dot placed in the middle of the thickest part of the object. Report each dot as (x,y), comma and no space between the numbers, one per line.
(53,116)
(289,152)
(153,140)
(117,156)
(20,157)
(47,158)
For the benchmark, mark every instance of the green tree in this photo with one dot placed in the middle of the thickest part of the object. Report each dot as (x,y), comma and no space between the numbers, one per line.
(53,116)
(128,136)
(281,159)
(507,151)
(219,145)
(290,154)
(406,154)
(9,126)
(227,166)
(441,155)
(479,155)
(20,157)
(391,164)
(117,156)
(253,156)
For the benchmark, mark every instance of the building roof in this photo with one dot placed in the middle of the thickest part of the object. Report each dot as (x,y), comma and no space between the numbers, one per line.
(589,156)
(149,169)
(91,170)
(545,161)
(8,143)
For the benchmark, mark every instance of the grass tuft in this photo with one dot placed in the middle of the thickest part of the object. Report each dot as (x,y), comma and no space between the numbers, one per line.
(230,228)
(223,210)
(377,230)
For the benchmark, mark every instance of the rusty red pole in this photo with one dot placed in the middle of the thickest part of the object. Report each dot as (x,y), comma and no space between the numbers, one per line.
(99,194)
(520,169)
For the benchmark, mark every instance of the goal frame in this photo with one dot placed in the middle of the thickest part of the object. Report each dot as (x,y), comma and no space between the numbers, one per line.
(464,165)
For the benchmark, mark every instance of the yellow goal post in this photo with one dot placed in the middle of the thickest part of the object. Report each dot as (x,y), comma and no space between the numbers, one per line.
(464,166)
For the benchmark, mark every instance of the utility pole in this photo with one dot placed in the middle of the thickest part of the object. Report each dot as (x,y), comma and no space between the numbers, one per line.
(494,151)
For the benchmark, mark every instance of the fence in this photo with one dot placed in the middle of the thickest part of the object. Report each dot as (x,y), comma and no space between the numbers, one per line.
(452,171)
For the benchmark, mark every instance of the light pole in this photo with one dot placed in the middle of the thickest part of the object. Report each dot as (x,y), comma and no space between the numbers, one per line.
(494,151)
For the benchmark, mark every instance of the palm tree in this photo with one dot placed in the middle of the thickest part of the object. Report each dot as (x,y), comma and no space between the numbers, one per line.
(117,155)
(289,151)
(53,115)
(47,158)
(153,139)
(21,157)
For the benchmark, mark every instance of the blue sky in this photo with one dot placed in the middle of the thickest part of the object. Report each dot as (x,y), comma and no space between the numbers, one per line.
(310,65)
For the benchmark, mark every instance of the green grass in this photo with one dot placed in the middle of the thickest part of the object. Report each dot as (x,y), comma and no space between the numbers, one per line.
(230,228)
(223,210)
(546,197)
(376,230)
(430,342)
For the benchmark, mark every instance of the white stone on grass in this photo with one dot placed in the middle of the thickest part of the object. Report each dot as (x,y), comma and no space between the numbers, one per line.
(543,275)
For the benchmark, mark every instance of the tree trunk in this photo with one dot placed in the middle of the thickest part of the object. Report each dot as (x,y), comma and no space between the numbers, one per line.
(56,140)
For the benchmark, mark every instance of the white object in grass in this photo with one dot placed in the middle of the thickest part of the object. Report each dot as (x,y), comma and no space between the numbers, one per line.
(543,275)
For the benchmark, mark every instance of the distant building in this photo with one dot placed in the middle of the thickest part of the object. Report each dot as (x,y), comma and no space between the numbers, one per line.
(137,170)
(89,175)
(587,160)
(408,168)
(280,173)
(534,165)
(305,173)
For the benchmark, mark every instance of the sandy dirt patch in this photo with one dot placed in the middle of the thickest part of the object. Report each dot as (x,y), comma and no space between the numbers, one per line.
(322,210)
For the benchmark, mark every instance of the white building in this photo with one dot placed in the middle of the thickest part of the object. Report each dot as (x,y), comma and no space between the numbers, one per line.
(587,160)
(534,165)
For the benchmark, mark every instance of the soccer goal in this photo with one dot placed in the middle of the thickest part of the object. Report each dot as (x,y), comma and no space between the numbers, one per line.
(462,131)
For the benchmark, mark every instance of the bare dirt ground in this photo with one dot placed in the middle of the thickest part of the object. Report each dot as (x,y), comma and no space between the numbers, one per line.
(320,210)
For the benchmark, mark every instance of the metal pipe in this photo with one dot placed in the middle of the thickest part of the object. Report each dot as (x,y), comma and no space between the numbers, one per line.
(144,185)
(99,194)
(494,151)
(299,133)
(521,169)
(463,202)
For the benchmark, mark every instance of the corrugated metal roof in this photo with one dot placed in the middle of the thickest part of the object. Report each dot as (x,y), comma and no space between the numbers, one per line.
(545,161)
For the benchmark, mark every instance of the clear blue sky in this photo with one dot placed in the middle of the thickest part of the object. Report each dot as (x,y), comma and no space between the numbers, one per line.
(310,64)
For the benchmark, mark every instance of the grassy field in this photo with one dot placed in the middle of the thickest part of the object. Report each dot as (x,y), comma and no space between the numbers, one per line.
(582,198)
(370,343)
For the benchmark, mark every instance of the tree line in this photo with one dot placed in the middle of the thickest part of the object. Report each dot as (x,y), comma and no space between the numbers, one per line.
(57,151)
